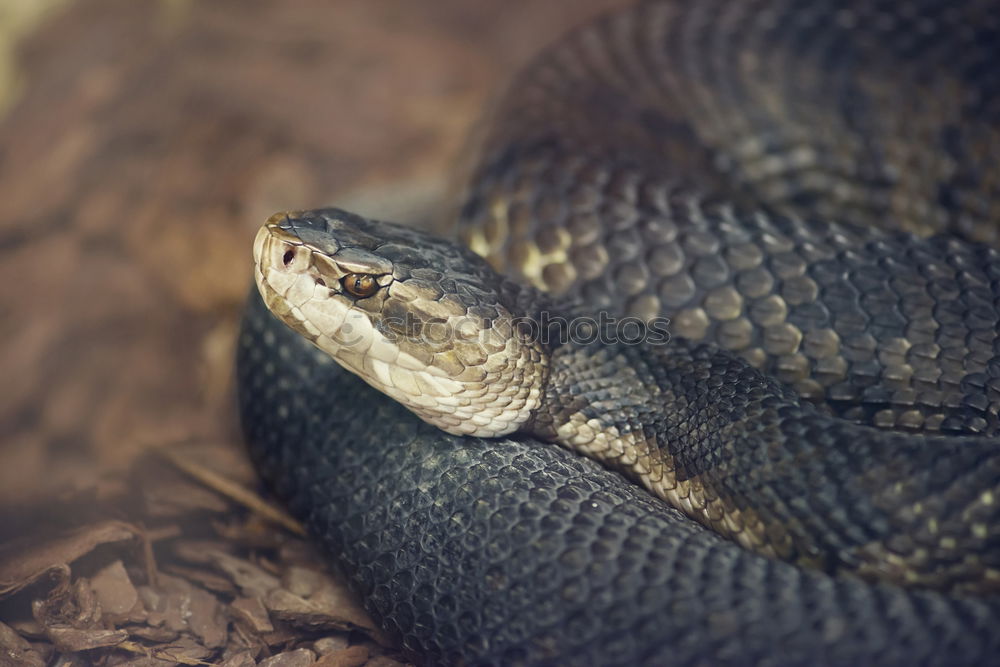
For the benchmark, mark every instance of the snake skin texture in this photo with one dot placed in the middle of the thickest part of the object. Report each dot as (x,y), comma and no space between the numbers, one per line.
(688,159)
(752,460)
(502,552)
(742,168)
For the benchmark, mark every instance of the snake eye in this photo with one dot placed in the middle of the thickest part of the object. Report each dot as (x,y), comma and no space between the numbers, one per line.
(360,285)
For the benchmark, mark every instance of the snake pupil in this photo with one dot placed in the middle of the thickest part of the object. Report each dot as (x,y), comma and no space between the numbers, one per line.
(360,285)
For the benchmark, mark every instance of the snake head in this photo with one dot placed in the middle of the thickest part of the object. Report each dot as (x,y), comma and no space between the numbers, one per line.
(421,319)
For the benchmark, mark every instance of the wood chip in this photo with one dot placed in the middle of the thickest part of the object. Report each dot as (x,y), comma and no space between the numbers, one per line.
(115,592)
(303,581)
(168,608)
(72,639)
(152,634)
(184,651)
(302,657)
(252,613)
(242,659)
(282,636)
(16,651)
(206,618)
(303,614)
(75,607)
(352,656)
(252,580)
(204,578)
(331,644)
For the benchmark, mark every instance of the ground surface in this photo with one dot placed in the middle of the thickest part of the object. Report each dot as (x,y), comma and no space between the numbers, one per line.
(141,144)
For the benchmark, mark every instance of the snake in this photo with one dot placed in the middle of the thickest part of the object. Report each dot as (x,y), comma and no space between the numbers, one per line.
(707,372)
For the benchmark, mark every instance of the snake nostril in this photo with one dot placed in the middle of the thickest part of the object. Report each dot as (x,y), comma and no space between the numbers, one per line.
(287,258)
(321,282)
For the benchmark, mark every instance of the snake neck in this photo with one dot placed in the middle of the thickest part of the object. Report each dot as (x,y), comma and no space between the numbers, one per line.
(632,407)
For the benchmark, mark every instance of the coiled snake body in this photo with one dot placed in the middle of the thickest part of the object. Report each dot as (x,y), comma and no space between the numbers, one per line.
(809,192)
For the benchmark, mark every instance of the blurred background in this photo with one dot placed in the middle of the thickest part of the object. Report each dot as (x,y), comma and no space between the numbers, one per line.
(142,142)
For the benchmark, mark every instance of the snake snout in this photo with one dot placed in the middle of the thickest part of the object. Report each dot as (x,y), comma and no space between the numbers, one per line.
(277,249)
(286,273)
